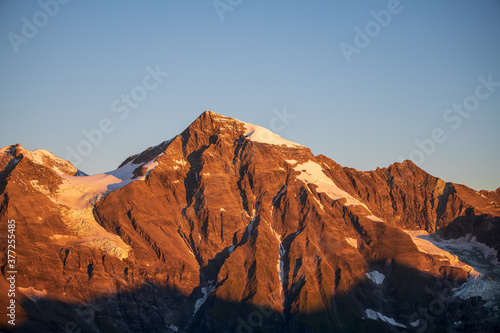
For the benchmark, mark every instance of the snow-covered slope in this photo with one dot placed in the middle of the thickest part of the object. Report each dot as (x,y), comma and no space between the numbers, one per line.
(77,195)
(263,135)
(475,258)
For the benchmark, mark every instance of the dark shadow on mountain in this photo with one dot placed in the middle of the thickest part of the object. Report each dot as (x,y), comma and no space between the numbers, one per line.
(7,170)
(407,301)
(485,227)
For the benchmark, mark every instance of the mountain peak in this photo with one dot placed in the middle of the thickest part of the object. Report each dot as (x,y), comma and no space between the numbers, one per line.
(40,157)
(14,150)
(219,124)
(210,113)
(211,119)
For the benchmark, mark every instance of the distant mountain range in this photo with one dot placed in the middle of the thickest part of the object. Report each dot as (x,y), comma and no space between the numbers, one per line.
(228,227)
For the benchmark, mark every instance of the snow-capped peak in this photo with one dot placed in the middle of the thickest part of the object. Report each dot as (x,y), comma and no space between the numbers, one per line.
(252,132)
(43,157)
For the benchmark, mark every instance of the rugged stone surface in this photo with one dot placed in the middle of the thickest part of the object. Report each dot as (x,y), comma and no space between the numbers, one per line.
(407,197)
(218,231)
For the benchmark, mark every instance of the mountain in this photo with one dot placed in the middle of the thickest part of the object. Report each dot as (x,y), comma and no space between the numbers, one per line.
(228,227)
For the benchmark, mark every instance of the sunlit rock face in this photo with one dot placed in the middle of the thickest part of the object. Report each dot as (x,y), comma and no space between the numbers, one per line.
(228,227)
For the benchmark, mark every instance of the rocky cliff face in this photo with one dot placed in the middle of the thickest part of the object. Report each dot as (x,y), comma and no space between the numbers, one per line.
(228,227)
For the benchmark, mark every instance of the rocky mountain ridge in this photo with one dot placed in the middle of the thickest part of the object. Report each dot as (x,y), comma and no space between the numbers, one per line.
(229,227)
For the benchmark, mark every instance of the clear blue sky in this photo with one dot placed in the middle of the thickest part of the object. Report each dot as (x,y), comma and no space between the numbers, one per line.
(263,56)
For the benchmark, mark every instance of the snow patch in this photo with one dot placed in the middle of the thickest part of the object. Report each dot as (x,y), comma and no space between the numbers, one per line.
(173,328)
(374,315)
(311,172)
(151,165)
(376,277)
(33,293)
(375,218)
(315,199)
(206,291)
(281,269)
(276,235)
(39,155)
(278,238)
(291,161)
(278,196)
(80,191)
(179,164)
(352,241)
(284,273)
(488,290)
(250,227)
(263,135)
(40,188)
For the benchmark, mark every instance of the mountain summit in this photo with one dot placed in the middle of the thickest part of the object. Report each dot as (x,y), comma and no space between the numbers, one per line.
(229,227)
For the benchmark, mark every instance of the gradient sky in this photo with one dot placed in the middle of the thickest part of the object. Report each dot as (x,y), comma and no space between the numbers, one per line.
(263,57)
